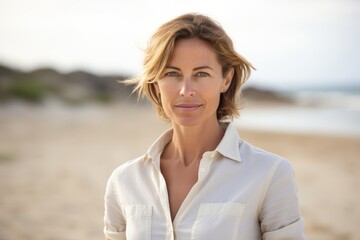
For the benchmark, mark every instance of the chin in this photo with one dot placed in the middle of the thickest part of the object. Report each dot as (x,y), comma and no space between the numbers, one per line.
(190,121)
(186,121)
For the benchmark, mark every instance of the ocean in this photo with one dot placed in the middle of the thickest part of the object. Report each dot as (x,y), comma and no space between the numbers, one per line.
(314,112)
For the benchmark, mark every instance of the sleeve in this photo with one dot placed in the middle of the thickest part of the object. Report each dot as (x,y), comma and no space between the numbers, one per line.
(114,223)
(280,216)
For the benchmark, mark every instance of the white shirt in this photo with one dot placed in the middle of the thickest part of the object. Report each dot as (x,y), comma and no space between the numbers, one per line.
(242,192)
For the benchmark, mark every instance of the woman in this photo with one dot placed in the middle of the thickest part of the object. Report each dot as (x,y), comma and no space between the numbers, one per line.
(199,180)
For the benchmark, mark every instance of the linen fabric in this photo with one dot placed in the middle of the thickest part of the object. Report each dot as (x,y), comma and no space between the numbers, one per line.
(242,193)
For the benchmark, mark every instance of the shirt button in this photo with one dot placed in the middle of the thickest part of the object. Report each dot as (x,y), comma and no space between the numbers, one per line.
(202,170)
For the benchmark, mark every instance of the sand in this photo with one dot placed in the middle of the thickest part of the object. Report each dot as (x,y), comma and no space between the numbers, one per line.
(55,161)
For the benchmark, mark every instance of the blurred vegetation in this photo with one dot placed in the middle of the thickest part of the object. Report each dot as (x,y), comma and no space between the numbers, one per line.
(30,90)
(6,157)
(72,88)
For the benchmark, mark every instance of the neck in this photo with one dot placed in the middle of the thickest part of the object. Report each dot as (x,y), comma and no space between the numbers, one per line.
(189,143)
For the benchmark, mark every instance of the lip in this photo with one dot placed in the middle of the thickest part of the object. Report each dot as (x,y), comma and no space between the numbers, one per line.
(188,107)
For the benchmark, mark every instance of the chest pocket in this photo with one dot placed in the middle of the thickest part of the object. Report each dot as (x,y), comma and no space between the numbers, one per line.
(138,222)
(217,221)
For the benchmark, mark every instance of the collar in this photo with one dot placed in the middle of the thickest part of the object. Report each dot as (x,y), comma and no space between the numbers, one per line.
(228,146)
(158,147)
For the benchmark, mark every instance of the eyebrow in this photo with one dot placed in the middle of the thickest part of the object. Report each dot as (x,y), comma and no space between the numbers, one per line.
(195,69)
(202,67)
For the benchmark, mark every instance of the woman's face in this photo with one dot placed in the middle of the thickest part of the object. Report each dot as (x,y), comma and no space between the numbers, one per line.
(191,85)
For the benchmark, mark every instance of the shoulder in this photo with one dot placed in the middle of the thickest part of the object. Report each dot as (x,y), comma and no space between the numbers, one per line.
(254,159)
(275,172)
(130,168)
(264,160)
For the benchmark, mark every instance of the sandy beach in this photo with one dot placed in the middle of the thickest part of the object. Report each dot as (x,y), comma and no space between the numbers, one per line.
(55,161)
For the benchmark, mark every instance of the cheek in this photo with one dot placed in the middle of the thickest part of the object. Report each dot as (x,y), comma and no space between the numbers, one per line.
(211,91)
(167,94)
(167,88)
(213,97)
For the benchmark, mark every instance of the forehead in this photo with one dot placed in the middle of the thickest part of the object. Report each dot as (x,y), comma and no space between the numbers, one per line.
(193,51)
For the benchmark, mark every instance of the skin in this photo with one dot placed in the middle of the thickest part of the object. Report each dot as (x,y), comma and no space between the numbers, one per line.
(190,93)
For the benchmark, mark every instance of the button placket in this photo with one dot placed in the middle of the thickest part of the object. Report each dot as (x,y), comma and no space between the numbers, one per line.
(164,198)
(205,163)
(202,171)
(170,228)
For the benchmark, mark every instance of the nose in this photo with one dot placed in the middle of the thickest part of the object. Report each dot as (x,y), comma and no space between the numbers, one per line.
(186,89)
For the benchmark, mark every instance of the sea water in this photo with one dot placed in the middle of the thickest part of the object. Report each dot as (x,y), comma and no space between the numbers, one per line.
(329,113)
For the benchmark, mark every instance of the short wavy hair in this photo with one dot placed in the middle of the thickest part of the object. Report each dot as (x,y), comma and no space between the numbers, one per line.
(161,46)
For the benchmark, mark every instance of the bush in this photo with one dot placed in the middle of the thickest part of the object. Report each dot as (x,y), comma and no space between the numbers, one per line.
(29,90)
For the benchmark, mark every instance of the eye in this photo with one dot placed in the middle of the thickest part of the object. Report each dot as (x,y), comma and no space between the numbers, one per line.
(171,74)
(202,74)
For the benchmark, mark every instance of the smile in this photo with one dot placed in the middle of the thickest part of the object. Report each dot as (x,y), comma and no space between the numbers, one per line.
(188,107)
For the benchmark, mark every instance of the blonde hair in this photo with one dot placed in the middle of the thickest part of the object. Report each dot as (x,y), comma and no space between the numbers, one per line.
(160,49)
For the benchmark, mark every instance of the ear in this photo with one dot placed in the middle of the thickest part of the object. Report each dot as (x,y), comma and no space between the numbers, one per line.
(227,80)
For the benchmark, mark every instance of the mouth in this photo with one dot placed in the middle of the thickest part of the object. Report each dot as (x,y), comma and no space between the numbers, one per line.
(188,107)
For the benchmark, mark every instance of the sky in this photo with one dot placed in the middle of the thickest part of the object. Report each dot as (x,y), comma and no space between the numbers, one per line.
(290,42)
